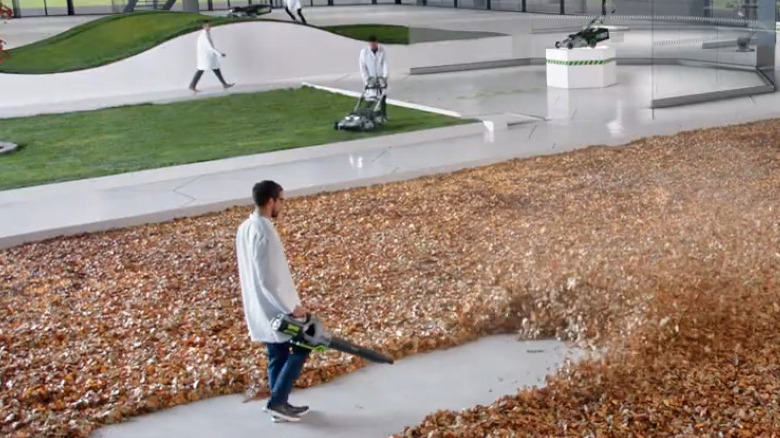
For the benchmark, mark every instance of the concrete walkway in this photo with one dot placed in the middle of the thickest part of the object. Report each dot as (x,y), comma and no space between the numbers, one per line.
(555,121)
(376,401)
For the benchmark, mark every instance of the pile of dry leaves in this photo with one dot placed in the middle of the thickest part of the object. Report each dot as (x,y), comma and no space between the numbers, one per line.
(665,252)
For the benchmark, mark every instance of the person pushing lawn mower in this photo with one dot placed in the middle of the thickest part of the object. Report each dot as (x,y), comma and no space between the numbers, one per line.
(373,64)
(371,108)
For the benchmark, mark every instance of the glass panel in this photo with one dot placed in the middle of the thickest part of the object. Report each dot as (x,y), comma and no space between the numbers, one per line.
(506,5)
(441,3)
(544,6)
(86,7)
(711,49)
(35,8)
(351,2)
(472,4)
(575,6)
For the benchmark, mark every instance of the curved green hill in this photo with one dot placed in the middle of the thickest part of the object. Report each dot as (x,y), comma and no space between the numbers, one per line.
(117,37)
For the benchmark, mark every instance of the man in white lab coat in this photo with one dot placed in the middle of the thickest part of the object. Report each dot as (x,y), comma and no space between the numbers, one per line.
(373,63)
(294,5)
(208,58)
(267,289)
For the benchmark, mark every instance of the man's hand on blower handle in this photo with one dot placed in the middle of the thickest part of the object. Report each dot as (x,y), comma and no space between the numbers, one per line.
(299,312)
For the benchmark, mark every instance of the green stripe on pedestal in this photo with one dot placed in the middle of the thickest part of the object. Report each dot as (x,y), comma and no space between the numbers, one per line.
(586,62)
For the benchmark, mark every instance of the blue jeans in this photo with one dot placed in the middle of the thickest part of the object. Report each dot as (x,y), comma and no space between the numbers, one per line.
(284,368)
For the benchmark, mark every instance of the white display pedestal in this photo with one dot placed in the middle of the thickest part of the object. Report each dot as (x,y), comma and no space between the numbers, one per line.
(581,67)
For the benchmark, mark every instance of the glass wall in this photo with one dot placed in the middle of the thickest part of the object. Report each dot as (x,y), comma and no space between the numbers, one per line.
(720,49)
(669,52)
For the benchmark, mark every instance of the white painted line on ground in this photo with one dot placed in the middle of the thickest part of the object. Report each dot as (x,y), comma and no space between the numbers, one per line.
(389,101)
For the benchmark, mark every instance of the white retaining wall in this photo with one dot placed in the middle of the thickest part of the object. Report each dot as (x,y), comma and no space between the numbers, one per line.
(257,53)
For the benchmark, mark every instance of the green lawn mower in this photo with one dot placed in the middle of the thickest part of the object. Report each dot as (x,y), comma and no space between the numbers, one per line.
(590,36)
(368,113)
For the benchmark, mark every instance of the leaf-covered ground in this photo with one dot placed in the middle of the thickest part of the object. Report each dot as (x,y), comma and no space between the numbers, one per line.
(665,254)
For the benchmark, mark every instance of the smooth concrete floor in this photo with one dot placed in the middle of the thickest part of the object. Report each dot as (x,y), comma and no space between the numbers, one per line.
(565,120)
(524,90)
(376,401)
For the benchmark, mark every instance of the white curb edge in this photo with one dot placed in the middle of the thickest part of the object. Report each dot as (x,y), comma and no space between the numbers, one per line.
(389,101)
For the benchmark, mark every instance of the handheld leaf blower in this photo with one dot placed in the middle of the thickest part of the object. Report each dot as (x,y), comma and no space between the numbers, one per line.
(310,333)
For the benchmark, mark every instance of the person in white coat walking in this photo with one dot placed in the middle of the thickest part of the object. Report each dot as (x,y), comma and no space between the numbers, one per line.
(208,58)
(373,63)
(267,289)
(294,5)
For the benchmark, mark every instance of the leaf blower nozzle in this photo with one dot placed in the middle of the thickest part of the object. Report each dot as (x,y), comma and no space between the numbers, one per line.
(310,333)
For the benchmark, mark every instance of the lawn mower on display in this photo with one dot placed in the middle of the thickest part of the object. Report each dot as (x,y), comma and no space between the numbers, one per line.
(309,333)
(367,114)
(590,36)
(250,11)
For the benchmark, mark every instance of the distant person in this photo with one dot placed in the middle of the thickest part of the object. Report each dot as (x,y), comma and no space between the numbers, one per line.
(268,289)
(208,58)
(373,64)
(604,8)
(294,5)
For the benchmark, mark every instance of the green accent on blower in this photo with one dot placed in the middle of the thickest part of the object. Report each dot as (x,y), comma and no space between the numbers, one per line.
(588,62)
(292,330)
(318,348)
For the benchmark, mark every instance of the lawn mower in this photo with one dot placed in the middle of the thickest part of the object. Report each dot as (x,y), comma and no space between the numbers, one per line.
(309,333)
(367,113)
(590,36)
(250,11)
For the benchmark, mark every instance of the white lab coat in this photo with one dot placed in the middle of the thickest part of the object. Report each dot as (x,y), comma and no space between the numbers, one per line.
(267,287)
(292,5)
(373,64)
(208,56)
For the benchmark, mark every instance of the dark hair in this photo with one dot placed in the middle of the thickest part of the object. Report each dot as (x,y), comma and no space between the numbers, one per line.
(264,191)
(372,39)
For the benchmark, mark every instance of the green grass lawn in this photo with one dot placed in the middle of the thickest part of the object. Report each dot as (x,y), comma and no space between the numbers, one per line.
(96,143)
(101,41)
(387,34)
(116,37)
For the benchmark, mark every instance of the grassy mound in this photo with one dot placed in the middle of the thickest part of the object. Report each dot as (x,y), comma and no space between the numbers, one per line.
(386,33)
(102,41)
(117,37)
(664,252)
(78,145)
